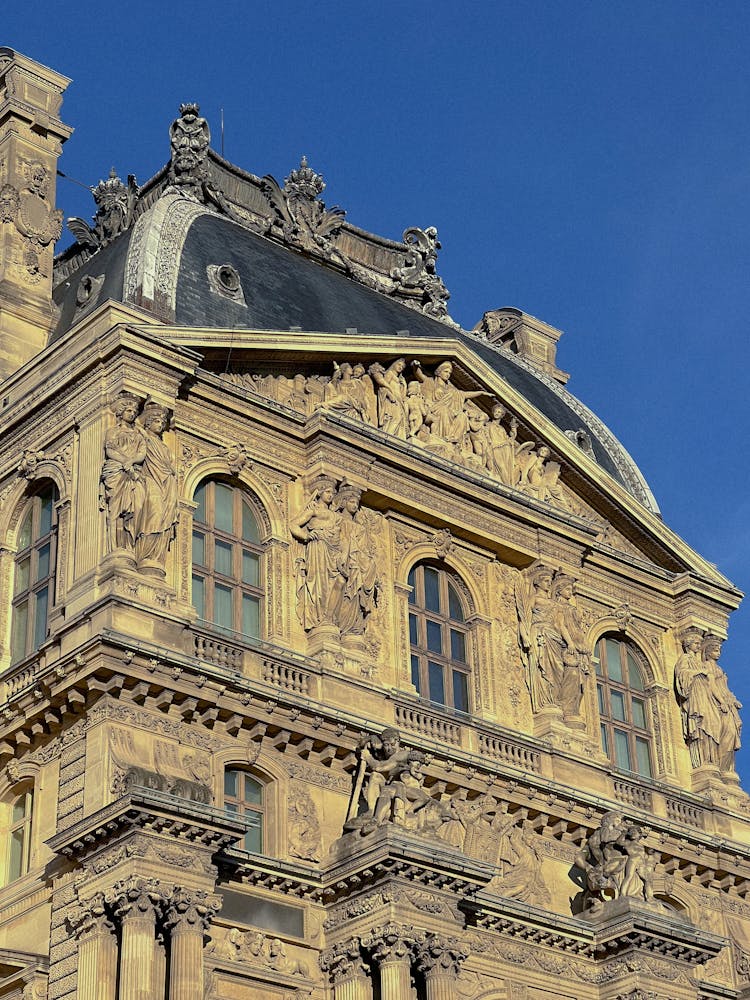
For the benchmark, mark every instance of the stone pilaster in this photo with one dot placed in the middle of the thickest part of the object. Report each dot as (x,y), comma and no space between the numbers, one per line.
(97,949)
(349,974)
(392,947)
(439,959)
(188,916)
(137,902)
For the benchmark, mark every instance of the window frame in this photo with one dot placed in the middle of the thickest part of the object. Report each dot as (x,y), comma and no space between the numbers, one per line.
(25,826)
(426,623)
(619,729)
(239,805)
(35,628)
(217,539)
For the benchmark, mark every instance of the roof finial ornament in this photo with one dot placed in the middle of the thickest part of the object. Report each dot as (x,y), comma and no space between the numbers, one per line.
(115,206)
(301,218)
(419,271)
(189,168)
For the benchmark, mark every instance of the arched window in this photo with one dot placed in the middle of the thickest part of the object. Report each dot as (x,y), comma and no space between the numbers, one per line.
(438,635)
(227,557)
(243,795)
(19,834)
(33,583)
(623,706)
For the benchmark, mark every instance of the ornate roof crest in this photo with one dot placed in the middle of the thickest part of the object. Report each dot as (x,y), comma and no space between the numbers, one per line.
(301,218)
(189,172)
(115,205)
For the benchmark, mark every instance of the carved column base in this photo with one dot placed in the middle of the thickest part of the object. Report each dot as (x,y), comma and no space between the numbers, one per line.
(324,637)
(152,568)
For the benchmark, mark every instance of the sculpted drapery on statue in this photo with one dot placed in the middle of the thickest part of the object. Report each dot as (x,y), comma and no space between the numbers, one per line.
(139,486)
(552,640)
(337,577)
(427,410)
(710,713)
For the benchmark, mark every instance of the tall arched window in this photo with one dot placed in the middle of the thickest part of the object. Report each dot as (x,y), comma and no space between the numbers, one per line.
(243,795)
(33,583)
(623,706)
(438,636)
(19,834)
(227,557)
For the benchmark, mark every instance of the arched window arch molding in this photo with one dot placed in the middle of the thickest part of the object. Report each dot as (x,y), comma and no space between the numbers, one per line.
(25,778)
(11,518)
(652,667)
(264,503)
(23,772)
(13,507)
(425,552)
(275,781)
(671,890)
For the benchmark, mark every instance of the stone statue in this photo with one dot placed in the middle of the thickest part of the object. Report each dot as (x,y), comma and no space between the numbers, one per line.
(615,862)
(539,477)
(115,206)
(501,447)
(446,406)
(522,876)
(552,640)
(157,520)
(575,655)
(357,564)
(711,722)
(388,786)
(320,580)
(122,481)
(343,393)
(391,391)
(189,139)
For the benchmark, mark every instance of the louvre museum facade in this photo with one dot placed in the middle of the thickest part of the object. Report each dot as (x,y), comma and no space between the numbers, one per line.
(345,653)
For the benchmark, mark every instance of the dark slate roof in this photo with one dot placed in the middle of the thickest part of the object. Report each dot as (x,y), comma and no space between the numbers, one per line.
(284,289)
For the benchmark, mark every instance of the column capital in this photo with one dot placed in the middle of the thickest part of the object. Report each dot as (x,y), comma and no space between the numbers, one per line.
(90,917)
(392,942)
(186,911)
(137,898)
(441,956)
(344,961)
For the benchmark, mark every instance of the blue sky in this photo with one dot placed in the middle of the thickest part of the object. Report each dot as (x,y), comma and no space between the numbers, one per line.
(587,162)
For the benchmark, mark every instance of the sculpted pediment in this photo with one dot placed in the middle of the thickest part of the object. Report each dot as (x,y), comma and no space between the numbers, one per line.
(443,400)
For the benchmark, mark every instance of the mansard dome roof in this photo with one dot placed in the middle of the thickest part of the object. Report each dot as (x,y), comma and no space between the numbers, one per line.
(241,252)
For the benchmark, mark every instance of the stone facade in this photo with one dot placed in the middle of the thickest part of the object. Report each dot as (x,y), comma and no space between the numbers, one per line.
(321,666)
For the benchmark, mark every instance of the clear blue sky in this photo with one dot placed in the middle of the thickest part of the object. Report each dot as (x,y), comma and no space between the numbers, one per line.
(588,162)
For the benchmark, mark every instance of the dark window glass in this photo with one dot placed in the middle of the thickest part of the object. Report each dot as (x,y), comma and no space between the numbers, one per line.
(243,795)
(625,730)
(227,559)
(19,841)
(33,585)
(437,633)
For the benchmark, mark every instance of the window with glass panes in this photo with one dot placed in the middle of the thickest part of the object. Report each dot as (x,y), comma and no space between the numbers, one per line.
(227,557)
(243,795)
(623,706)
(33,582)
(439,638)
(19,842)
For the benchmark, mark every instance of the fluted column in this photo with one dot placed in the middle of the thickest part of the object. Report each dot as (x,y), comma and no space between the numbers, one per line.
(159,978)
(349,974)
(97,949)
(188,916)
(392,946)
(137,902)
(439,959)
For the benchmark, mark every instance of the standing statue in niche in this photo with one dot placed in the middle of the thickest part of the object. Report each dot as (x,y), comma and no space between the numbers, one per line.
(575,655)
(158,517)
(358,564)
(552,640)
(320,580)
(122,482)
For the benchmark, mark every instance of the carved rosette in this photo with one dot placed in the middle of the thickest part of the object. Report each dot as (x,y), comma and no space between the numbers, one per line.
(191,912)
(343,961)
(441,956)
